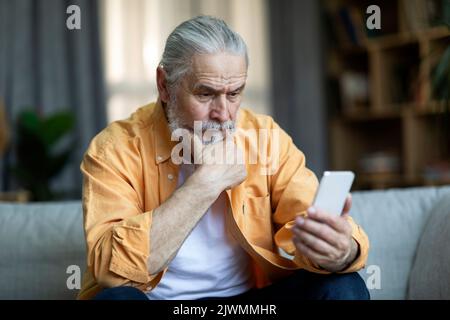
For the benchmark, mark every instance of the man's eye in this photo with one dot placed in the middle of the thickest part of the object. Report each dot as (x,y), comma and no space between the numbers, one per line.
(233,94)
(204,97)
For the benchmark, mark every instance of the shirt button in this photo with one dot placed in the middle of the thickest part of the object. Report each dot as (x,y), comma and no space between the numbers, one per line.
(170,176)
(159,158)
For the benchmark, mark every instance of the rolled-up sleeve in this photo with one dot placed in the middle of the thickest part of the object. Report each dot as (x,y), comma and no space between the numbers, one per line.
(293,189)
(117,228)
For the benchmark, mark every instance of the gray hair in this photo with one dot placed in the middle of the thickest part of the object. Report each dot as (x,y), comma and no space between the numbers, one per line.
(199,35)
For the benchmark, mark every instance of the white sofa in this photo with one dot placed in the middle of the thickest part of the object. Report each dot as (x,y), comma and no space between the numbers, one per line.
(42,245)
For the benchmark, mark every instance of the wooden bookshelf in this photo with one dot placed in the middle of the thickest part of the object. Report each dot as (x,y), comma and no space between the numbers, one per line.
(393,135)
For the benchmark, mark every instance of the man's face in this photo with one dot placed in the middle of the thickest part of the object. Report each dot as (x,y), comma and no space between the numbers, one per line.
(211,93)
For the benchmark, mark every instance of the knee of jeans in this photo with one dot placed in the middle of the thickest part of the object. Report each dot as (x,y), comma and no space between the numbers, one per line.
(121,293)
(349,286)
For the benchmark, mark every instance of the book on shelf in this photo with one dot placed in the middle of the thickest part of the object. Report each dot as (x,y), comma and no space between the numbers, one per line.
(415,14)
(348,25)
(380,162)
(423,14)
(437,171)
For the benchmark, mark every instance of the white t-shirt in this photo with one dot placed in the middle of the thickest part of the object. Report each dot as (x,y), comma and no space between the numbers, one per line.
(210,262)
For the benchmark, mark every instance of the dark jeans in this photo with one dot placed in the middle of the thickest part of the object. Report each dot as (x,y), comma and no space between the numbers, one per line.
(302,285)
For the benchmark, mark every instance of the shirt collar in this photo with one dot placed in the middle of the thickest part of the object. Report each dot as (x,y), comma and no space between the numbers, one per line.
(162,134)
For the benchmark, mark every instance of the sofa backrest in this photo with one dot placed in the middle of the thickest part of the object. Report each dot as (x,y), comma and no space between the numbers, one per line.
(394,220)
(39,243)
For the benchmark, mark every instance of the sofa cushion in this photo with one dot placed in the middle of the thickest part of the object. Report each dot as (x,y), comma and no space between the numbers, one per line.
(39,241)
(430,275)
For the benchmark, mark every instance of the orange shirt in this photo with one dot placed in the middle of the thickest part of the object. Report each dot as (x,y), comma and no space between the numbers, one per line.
(128,172)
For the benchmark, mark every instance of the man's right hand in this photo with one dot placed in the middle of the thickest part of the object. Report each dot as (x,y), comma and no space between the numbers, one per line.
(215,171)
(175,218)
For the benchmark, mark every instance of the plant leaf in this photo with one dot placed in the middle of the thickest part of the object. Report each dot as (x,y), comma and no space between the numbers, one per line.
(29,120)
(56,126)
(441,72)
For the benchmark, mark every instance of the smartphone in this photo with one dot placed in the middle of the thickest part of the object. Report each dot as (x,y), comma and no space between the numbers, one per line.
(333,190)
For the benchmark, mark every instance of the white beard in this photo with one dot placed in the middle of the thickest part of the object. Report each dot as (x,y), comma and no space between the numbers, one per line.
(217,131)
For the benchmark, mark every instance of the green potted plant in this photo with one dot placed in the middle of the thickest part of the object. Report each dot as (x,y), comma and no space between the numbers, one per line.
(38,158)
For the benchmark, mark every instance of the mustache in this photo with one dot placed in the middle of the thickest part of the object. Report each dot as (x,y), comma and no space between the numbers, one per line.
(214,125)
(217,130)
(176,122)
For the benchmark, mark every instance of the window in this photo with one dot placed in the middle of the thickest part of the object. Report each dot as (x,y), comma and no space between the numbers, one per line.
(134,34)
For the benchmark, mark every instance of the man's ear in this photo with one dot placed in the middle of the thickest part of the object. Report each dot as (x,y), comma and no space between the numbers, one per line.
(161,82)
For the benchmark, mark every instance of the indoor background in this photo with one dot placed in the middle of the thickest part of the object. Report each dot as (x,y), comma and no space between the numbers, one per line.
(374,101)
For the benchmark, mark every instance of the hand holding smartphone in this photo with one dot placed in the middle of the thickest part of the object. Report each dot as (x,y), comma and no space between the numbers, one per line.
(333,190)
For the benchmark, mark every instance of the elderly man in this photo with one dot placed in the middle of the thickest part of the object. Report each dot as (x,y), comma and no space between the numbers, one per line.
(158,228)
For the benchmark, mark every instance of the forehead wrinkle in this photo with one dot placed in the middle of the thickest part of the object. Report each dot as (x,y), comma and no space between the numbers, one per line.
(213,75)
(218,81)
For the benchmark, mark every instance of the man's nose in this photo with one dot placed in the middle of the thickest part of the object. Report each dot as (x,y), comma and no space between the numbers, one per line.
(220,111)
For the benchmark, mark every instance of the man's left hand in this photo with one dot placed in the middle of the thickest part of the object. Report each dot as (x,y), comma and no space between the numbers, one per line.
(326,239)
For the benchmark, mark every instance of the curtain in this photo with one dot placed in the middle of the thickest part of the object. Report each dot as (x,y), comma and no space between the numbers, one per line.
(46,66)
(298,76)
